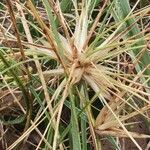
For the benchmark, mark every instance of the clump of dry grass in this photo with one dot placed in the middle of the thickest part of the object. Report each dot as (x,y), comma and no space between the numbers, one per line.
(97,47)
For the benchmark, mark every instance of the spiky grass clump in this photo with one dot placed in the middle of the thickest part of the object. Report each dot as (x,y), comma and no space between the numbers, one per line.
(91,47)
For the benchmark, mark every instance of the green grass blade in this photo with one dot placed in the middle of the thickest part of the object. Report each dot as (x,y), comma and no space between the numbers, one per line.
(114,143)
(74,124)
(66,6)
(64,133)
(145,59)
(32,89)
(53,26)
(17,120)
(84,134)
(22,88)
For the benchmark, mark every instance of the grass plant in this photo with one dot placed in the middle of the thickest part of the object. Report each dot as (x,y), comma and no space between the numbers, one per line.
(82,69)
